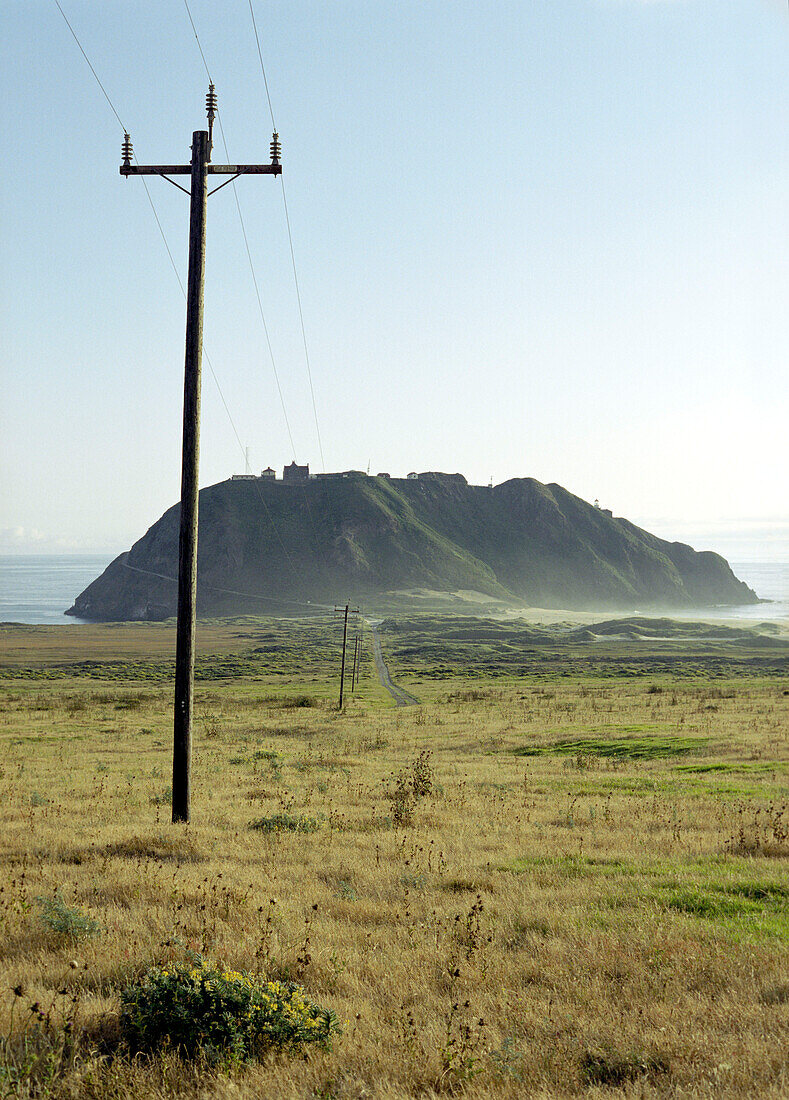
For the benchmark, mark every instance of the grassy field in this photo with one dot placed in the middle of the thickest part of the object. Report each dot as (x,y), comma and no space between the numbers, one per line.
(563,874)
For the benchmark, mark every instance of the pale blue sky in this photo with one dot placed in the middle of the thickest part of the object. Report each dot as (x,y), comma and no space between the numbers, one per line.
(545,238)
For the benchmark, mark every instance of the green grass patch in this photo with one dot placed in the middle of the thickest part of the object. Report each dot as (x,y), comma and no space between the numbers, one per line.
(618,748)
(743,909)
(571,866)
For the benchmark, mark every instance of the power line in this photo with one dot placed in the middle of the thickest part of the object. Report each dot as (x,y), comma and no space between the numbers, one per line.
(183,292)
(173,264)
(262,66)
(258,295)
(254,275)
(292,257)
(231,591)
(152,204)
(246,245)
(303,329)
(216,379)
(262,319)
(292,250)
(87,59)
(148,196)
(197,40)
(170,255)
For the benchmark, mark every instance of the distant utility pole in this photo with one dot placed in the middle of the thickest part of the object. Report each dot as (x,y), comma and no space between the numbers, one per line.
(354,674)
(200,168)
(346,611)
(357,659)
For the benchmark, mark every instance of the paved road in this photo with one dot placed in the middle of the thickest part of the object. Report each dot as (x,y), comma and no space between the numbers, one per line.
(401,697)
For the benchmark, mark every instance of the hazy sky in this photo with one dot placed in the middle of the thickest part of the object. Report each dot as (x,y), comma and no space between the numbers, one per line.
(544,238)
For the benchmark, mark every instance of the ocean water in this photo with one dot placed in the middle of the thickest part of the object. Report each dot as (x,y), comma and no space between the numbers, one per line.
(38,589)
(770,581)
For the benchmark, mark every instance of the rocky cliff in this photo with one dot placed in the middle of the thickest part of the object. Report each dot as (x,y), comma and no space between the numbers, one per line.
(263,543)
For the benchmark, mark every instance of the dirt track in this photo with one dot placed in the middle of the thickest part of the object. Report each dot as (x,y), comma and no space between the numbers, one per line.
(401,697)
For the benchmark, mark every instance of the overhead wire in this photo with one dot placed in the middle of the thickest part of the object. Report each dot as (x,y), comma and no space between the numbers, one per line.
(123,128)
(246,245)
(292,256)
(87,60)
(292,250)
(183,291)
(233,591)
(175,268)
(262,66)
(257,294)
(154,211)
(255,283)
(197,40)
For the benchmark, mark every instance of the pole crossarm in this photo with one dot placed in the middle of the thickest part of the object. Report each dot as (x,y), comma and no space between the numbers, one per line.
(211,169)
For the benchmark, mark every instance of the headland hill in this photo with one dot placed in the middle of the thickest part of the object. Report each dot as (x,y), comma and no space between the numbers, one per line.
(320,538)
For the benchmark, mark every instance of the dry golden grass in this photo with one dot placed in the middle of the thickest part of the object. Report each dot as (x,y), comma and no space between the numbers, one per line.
(38,645)
(560,924)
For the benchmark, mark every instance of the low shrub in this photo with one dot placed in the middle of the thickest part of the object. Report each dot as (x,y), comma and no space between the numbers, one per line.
(612,1069)
(285,823)
(422,774)
(72,924)
(411,783)
(293,702)
(163,798)
(223,1015)
(346,891)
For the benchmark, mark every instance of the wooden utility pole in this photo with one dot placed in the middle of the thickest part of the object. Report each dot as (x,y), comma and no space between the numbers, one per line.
(346,611)
(200,168)
(344,637)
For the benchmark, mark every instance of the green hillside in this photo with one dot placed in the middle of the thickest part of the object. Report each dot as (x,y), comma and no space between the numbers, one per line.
(263,543)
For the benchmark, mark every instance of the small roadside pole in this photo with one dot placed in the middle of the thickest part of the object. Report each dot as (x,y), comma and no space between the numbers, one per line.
(199,169)
(345,611)
(355,673)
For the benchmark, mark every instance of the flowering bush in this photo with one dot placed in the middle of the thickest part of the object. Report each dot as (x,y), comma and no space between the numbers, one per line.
(223,1014)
